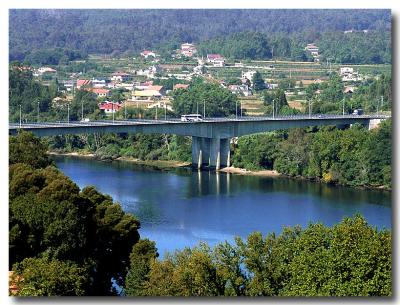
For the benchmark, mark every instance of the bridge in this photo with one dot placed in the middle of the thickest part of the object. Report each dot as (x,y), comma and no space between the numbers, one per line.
(210,137)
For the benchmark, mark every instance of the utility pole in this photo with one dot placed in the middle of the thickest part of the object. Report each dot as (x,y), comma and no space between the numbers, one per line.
(20,116)
(38,111)
(236,110)
(112,103)
(68,113)
(381,101)
(273,108)
(343,104)
(204,110)
(197,107)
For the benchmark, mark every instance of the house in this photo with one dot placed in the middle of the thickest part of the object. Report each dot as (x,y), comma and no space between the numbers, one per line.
(83,84)
(101,92)
(240,90)
(313,49)
(219,62)
(148,53)
(121,77)
(43,70)
(216,59)
(151,93)
(346,70)
(188,49)
(200,69)
(180,86)
(248,75)
(99,83)
(109,107)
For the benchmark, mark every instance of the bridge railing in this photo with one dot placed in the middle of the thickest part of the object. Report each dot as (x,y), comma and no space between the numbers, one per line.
(178,120)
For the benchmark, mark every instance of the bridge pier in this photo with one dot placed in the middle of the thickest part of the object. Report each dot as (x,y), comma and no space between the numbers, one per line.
(210,152)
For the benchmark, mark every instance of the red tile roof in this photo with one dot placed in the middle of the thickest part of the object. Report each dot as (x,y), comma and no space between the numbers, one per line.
(110,106)
(180,86)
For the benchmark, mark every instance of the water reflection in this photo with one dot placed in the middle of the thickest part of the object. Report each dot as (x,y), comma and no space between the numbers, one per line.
(181,207)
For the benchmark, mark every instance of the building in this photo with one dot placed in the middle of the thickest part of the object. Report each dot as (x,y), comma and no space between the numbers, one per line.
(148,53)
(313,49)
(99,83)
(180,86)
(101,92)
(121,77)
(215,59)
(243,90)
(109,107)
(188,49)
(151,93)
(83,84)
(346,70)
(43,70)
(248,75)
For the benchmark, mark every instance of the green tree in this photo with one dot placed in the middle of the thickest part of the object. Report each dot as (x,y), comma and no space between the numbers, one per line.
(258,82)
(46,277)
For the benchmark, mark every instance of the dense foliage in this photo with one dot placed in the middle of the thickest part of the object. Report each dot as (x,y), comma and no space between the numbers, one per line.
(57,229)
(372,47)
(200,96)
(349,259)
(32,31)
(353,156)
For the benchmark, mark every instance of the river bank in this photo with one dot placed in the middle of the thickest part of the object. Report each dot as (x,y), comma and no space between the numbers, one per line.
(160,164)
(170,164)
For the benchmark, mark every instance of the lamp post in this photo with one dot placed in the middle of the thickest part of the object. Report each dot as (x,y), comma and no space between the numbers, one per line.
(38,111)
(20,116)
(204,109)
(343,104)
(236,110)
(125,108)
(156,112)
(82,111)
(165,111)
(309,108)
(112,103)
(273,108)
(68,114)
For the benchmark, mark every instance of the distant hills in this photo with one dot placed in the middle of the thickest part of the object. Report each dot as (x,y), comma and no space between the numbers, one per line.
(108,31)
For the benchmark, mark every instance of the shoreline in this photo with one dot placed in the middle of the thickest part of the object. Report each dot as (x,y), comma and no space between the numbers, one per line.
(243,171)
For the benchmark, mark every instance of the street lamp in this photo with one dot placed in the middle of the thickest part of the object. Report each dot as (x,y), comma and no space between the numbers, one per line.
(343,104)
(165,111)
(204,109)
(38,111)
(236,110)
(309,108)
(273,108)
(125,108)
(68,113)
(20,116)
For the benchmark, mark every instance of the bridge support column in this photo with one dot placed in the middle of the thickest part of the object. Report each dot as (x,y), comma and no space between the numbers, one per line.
(197,153)
(215,153)
(210,152)
(225,153)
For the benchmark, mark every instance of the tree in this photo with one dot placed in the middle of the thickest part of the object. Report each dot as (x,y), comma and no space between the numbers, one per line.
(26,148)
(142,256)
(258,82)
(46,277)
(218,101)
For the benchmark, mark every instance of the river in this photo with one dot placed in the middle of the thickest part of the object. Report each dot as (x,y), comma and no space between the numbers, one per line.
(181,207)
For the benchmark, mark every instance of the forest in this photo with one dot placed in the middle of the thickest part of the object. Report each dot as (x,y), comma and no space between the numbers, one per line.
(74,33)
(64,241)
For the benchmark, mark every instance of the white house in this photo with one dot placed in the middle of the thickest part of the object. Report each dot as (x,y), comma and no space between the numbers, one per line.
(147,53)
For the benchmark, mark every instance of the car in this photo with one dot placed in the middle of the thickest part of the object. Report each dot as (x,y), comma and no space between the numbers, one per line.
(85,120)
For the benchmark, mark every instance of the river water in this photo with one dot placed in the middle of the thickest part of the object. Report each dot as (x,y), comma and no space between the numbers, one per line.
(181,207)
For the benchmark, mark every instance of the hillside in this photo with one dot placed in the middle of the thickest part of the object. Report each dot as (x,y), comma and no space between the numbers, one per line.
(108,31)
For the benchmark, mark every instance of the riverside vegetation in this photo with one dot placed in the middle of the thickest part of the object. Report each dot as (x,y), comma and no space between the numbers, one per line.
(67,241)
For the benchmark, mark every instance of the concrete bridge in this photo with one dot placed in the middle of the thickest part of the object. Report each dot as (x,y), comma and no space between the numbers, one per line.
(210,137)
